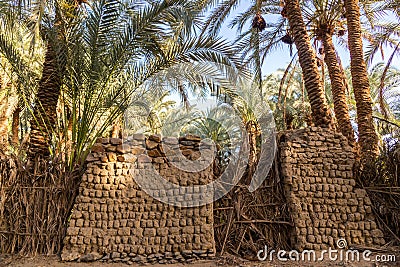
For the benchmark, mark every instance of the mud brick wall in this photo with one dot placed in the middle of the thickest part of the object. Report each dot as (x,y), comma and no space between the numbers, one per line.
(324,203)
(114,220)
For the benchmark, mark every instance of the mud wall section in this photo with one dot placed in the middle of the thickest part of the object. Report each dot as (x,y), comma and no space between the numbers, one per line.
(113,219)
(325,206)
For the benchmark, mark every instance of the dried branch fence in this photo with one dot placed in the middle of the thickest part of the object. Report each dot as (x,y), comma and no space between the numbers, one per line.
(35,202)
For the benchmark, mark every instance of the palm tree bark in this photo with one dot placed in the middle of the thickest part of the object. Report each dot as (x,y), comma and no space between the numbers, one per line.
(44,112)
(320,111)
(337,78)
(3,120)
(257,60)
(257,55)
(15,126)
(45,115)
(253,132)
(3,126)
(368,139)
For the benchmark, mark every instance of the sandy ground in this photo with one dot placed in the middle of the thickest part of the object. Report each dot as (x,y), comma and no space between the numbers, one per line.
(54,261)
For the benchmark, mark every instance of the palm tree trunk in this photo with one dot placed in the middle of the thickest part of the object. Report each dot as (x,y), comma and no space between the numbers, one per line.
(15,126)
(337,78)
(257,55)
(320,111)
(257,60)
(3,127)
(44,112)
(45,115)
(3,119)
(253,132)
(368,138)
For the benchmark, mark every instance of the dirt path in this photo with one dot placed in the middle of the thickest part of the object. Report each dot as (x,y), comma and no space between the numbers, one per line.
(54,261)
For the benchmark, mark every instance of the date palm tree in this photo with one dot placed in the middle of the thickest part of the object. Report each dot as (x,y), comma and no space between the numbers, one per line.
(307,58)
(44,113)
(325,18)
(251,38)
(269,40)
(368,139)
(122,56)
(20,68)
(384,34)
(337,78)
(50,20)
(384,100)
(285,91)
(108,50)
(43,122)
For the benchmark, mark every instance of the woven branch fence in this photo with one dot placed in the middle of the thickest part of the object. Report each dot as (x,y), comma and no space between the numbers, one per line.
(244,222)
(382,182)
(35,202)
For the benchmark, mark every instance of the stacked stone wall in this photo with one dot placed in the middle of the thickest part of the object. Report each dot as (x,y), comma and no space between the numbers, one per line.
(324,203)
(113,219)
